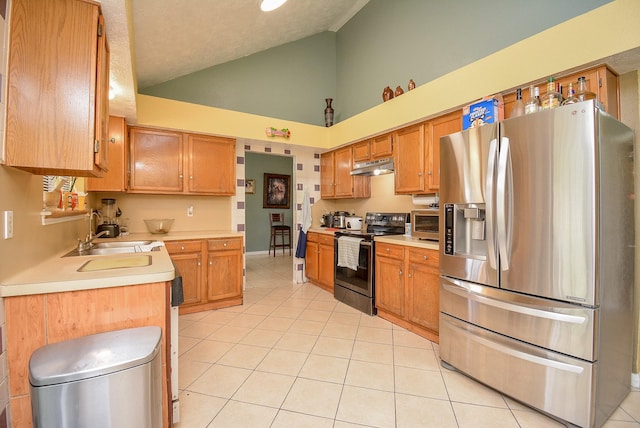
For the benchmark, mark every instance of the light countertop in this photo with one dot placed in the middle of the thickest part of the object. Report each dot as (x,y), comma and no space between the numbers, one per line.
(409,241)
(58,274)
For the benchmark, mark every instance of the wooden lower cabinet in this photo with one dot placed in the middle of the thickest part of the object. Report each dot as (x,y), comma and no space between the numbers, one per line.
(211,272)
(36,320)
(320,262)
(407,288)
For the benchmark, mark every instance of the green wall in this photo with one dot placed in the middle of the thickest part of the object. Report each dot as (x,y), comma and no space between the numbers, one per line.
(257,218)
(385,44)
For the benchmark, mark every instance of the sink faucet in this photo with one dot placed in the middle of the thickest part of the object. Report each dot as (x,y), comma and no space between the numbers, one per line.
(88,241)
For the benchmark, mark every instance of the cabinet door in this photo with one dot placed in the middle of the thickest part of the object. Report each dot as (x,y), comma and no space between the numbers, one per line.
(342,172)
(51,87)
(361,151)
(409,160)
(326,266)
(187,256)
(114,179)
(224,275)
(101,158)
(439,127)
(311,259)
(327,181)
(381,146)
(155,161)
(423,289)
(390,285)
(212,166)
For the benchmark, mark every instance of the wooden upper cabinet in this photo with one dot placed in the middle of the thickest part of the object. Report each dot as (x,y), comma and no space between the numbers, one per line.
(209,169)
(114,179)
(168,162)
(342,171)
(435,129)
(155,161)
(601,80)
(361,151)
(409,153)
(57,88)
(327,180)
(336,180)
(382,146)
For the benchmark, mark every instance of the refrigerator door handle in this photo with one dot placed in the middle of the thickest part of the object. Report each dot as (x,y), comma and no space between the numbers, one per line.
(550,312)
(491,166)
(501,202)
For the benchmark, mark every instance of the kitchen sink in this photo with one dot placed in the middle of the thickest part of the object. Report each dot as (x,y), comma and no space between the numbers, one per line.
(120,244)
(121,247)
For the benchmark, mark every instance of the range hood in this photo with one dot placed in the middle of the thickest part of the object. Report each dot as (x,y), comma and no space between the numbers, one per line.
(375,167)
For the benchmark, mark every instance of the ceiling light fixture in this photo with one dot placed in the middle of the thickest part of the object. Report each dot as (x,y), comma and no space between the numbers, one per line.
(269,5)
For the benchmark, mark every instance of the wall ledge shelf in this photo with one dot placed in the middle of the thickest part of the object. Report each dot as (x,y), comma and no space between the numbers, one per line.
(57,216)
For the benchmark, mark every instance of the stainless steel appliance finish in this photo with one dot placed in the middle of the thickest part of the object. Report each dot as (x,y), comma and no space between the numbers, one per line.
(374,167)
(537,258)
(111,379)
(340,219)
(356,287)
(425,224)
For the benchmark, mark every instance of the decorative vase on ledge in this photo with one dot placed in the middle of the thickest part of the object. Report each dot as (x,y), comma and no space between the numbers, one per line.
(328,113)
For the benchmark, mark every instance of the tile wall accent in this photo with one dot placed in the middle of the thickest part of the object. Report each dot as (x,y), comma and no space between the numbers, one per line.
(306,175)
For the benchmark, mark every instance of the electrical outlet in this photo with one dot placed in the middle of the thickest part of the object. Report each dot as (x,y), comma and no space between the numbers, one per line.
(190,211)
(8,224)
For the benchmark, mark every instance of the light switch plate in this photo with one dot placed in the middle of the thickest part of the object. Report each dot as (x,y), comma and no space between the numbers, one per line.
(8,224)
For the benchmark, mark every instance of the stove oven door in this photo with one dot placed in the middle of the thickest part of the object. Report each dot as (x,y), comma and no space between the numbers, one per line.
(360,279)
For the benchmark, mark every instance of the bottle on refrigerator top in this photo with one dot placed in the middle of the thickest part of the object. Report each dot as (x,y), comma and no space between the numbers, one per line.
(552,98)
(533,104)
(582,92)
(571,96)
(518,106)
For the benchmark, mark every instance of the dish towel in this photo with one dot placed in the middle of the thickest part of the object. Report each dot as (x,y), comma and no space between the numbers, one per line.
(301,248)
(348,251)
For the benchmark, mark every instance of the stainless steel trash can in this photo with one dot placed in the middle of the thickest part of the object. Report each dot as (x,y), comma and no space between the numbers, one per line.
(111,379)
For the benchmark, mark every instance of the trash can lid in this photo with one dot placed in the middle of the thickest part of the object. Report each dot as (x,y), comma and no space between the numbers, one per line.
(94,355)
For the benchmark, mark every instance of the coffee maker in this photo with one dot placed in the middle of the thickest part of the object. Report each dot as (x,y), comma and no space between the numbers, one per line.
(109,214)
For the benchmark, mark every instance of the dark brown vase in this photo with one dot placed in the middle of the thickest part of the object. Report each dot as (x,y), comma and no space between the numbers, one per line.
(328,113)
(412,85)
(387,94)
(399,91)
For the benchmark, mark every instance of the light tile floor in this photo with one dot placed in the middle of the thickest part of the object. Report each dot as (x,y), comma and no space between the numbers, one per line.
(292,356)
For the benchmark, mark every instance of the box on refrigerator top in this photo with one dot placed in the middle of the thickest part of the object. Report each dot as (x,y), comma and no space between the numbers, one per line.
(484,111)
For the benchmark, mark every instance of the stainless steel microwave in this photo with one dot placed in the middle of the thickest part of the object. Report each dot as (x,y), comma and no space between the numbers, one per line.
(425,224)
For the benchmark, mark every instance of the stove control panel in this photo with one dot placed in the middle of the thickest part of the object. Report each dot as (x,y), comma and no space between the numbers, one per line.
(387,219)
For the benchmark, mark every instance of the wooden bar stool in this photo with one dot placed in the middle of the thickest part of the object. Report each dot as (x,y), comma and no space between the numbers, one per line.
(279,229)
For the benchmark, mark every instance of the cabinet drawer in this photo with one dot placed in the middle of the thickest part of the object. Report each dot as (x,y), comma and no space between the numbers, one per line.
(224,244)
(426,257)
(388,250)
(177,247)
(312,237)
(325,239)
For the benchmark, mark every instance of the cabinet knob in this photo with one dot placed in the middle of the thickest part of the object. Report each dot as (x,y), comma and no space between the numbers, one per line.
(429,173)
(400,271)
(191,177)
(419,174)
(210,262)
(425,257)
(410,275)
(199,264)
(182,248)
(388,249)
(181,176)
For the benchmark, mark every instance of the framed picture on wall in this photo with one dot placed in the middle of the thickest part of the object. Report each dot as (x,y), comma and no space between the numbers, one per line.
(276,191)
(250,186)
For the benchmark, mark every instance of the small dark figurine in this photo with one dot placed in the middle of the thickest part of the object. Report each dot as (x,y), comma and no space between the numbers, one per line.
(412,85)
(399,91)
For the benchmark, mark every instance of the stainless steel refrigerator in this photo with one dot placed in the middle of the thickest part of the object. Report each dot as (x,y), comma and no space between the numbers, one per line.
(537,259)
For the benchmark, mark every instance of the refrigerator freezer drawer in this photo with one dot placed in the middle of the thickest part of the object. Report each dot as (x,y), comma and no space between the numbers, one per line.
(558,326)
(553,383)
